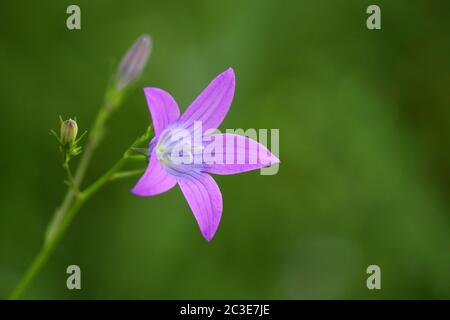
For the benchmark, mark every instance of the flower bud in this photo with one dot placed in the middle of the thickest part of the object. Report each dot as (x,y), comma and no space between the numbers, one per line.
(69,130)
(134,61)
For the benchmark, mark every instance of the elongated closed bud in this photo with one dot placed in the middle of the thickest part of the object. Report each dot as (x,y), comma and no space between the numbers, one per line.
(134,61)
(69,131)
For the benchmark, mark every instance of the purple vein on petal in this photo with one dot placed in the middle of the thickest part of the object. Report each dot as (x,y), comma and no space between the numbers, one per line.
(163,108)
(155,180)
(205,199)
(213,103)
(242,147)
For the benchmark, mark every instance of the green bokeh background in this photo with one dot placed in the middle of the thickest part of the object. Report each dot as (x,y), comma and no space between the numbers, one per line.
(364,123)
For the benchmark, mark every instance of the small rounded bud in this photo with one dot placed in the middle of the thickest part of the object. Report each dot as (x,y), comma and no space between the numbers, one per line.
(69,130)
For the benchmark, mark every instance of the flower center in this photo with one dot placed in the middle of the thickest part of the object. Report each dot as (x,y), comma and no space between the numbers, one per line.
(175,147)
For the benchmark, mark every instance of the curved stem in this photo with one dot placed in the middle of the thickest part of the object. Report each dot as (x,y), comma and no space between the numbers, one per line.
(70,179)
(112,101)
(45,252)
(126,174)
(68,212)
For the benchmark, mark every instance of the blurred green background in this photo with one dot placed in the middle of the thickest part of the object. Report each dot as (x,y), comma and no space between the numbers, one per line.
(364,123)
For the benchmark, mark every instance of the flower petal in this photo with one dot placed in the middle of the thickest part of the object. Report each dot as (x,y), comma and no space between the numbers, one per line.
(212,105)
(163,108)
(205,199)
(155,180)
(231,154)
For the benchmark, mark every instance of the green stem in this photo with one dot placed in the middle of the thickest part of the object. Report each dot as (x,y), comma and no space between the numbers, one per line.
(70,178)
(138,158)
(126,174)
(68,215)
(46,250)
(112,100)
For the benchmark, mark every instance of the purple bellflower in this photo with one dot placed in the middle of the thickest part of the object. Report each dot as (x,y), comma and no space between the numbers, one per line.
(182,154)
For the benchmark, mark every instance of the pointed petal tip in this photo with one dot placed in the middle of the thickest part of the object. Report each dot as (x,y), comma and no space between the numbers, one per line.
(274,159)
(208,237)
(229,72)
(137,191)
(163,108)
(153,91)
(208,234)
(148,90)
(142,192)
